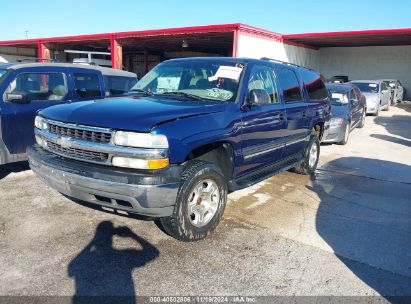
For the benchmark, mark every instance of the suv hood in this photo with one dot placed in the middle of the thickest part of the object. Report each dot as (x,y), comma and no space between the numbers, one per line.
(130,113)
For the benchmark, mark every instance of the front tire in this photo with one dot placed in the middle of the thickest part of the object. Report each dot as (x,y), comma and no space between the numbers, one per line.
(387,108)
(311,157)
(200,203)
(346,134)
(362,122)
(377,113)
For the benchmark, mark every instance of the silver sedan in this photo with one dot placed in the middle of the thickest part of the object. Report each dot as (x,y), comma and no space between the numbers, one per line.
(377,94)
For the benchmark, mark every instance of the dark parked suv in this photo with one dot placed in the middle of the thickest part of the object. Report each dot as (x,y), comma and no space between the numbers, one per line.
(192,130)
(26,88)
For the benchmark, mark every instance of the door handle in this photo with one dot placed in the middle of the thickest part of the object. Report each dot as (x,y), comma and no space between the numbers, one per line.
(281,116)
(304,114)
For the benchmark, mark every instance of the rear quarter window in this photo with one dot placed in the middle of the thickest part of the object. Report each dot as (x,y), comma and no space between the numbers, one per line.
(314,85)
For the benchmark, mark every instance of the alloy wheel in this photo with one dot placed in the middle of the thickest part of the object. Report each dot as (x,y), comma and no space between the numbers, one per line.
(313,155)
(203,202)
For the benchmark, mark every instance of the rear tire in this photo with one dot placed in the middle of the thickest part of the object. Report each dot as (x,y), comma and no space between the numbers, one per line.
(311,157)
(197,211)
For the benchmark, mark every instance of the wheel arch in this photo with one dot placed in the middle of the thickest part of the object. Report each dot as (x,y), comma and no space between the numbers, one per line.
(219,153)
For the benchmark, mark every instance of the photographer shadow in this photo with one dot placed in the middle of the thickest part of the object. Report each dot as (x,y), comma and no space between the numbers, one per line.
(103,274)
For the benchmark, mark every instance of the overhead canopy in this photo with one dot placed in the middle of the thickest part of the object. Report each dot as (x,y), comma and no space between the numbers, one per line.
(388,37)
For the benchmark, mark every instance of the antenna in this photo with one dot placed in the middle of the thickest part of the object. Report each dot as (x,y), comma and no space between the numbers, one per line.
(27,34)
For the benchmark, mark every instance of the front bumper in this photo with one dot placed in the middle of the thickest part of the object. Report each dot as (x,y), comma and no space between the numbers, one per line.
(335,134)
(151,193)
(372,108)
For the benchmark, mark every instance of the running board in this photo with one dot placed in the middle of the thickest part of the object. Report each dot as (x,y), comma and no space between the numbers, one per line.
(259,175)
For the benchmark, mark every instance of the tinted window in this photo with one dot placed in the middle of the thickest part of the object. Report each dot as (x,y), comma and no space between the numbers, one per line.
(117,85)
(357,93)
(314,85)
(87,85)
(289,83)
(353,96)
(39,86)
(262,78)
(383,86)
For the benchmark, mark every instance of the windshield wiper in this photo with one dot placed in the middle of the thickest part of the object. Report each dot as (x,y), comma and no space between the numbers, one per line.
(182,94)
(147,93)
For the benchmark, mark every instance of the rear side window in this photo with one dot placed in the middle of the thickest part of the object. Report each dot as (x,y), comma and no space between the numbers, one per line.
(87,85)
(262,78)
(357,93)
(117,85)
(353,96)
(39,86)
(289,83)
(314,85)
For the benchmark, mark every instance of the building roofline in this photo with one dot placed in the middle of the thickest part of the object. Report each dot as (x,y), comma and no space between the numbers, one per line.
(349,33)
(140,33)
(230,27)
(291,39)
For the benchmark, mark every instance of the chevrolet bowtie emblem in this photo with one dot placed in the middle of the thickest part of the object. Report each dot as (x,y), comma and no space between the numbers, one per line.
(65,142)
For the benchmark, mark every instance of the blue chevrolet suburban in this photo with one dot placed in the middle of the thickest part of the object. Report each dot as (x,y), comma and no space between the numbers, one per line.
(26,88)
(191,131)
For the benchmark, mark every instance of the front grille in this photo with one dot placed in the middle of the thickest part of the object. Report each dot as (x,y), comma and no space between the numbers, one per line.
(78,153)
(87,135)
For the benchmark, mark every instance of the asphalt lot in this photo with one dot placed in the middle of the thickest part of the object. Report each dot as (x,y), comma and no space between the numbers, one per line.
(347,231)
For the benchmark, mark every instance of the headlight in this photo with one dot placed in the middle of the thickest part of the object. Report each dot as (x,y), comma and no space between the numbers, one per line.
(40,123)
(140,140)
(337,121)
(135,163)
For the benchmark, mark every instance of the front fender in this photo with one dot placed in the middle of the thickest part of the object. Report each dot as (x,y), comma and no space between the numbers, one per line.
(185,135)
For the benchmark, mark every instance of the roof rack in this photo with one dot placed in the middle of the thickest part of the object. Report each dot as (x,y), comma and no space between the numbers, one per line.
(283,62)
(37,60)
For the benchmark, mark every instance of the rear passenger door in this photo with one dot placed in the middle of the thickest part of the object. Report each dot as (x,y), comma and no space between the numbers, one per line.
(263,124)
(385,94)
(41,89)
(296,131)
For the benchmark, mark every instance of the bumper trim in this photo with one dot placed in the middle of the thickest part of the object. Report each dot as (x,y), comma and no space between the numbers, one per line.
(156,200)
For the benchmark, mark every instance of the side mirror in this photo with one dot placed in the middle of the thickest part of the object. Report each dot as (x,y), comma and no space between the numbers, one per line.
(16,98)
(257,96)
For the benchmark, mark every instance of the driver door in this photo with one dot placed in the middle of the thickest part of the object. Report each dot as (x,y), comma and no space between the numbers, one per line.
(39,90)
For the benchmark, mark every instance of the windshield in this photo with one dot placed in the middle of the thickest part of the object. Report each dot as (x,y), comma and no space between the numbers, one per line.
(338,98)
(198,80)
(368,87)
